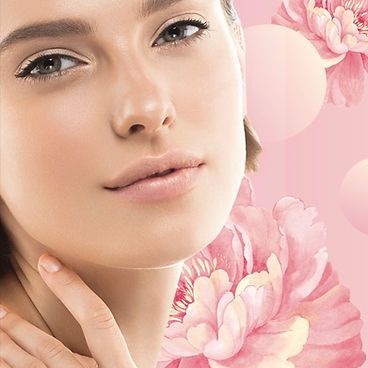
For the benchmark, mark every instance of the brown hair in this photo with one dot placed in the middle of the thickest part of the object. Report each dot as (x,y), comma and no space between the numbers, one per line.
(253,148)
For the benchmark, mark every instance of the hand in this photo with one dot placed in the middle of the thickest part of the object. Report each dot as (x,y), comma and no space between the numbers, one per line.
(24,345)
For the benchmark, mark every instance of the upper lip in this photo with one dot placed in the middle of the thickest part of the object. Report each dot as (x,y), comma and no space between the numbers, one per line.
(140,169)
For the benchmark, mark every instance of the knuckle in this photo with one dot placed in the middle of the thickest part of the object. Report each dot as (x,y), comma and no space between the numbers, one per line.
(101,317)
(51,349)
(34,363)
(9,321)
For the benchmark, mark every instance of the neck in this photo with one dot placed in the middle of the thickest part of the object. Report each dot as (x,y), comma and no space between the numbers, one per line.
(140,300)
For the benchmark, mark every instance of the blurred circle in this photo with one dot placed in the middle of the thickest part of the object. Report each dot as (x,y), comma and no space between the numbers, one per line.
(285,80)
(354,196)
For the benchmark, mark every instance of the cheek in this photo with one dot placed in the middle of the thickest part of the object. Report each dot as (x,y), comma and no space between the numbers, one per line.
(38,145)
(212,97)
(212,93)
(45,160)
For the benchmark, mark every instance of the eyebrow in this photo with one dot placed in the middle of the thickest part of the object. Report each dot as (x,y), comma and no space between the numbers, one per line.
(69,26)
(149,7)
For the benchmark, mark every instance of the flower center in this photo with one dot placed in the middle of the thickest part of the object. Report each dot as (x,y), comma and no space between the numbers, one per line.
(360,14)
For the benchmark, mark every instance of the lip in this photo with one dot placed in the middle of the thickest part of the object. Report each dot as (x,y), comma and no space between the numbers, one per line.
(161,188)
(142,168)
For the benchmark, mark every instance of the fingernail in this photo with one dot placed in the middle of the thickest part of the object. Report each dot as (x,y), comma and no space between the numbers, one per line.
(50,264)
(3,311)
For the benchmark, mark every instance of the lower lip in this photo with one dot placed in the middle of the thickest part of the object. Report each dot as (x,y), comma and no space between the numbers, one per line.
(162,187)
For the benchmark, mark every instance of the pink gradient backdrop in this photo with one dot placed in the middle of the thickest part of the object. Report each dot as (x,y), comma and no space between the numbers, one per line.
(312,165)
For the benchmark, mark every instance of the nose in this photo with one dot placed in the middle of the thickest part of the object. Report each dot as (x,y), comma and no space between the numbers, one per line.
(141,104)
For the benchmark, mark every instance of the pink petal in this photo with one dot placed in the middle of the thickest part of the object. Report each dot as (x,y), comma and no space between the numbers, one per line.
(328,281)
(207,293)
(335,326)
(332,317)
(226,299)
(168,364)
(292,14)
(365,62)
(178,347)
(317,21)
(227,249)
(346,80)
(307,254)
(332,5)
(333,37)
(295,9)
(200,335)
(347,23)
(344,355)
(329,57)
(199,361)
(245,196)
(231,333)
(272,345)
(262,230)
(262,293)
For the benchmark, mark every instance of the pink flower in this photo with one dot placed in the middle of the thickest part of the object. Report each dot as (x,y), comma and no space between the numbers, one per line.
(339,31)
(263,294)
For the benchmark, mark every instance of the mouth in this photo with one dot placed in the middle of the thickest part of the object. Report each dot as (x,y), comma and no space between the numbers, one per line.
(154,168)
(161,186)
(165,173)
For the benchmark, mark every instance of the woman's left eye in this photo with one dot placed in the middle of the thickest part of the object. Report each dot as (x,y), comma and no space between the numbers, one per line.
(182,30)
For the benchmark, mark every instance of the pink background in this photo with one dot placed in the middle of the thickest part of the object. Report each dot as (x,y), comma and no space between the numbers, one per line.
(311,165)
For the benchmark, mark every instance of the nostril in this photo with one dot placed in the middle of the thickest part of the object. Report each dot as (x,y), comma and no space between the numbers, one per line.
(136,128)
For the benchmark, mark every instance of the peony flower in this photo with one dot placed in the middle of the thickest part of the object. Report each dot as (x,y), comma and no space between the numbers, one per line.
(339,31)
(263,294)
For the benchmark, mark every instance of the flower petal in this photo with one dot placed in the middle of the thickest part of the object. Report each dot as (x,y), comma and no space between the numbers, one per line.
(231,332)
(346,81)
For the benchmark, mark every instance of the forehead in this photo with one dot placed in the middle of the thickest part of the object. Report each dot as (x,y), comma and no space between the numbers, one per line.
(38,9)
(15,14)
(53,18)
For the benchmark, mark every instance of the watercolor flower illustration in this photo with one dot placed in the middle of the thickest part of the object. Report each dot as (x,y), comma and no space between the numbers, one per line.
(339,31)
(263,294)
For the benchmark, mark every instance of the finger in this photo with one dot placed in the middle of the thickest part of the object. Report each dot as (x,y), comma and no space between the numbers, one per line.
(4,364)
(15,355)
(37,343)
(103,336)
(86,362)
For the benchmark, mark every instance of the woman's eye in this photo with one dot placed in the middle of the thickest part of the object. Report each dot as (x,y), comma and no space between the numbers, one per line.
(55,65)
(181,30)
(47,67)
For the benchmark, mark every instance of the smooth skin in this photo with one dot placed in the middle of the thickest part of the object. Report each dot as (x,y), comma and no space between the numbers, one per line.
(24,345)
(63,138)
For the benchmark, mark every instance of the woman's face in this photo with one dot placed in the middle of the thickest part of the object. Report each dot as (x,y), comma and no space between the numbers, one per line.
(64,136)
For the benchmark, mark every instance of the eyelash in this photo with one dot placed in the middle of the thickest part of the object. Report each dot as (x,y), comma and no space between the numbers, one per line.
(24,73)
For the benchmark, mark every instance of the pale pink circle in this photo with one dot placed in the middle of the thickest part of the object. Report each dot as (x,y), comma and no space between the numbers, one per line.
(354,196)
(285,81)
